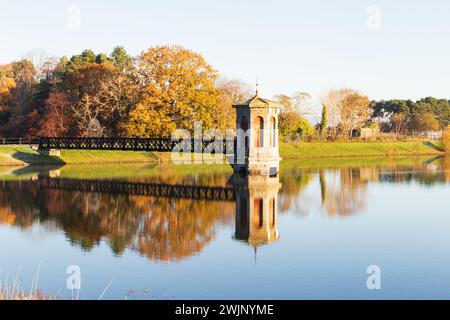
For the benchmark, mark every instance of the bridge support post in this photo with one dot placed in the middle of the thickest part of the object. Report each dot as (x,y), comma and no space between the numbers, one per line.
(54,152)
(257,147)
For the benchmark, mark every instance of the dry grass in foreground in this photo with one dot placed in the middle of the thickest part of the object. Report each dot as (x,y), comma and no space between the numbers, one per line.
(11,292)
(12,289)
(23,296)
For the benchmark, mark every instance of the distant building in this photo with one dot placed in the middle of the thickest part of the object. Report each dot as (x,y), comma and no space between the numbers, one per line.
(366,133)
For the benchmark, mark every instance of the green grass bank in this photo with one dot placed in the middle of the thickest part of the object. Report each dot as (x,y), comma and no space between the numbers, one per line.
(23,155)
(359,149)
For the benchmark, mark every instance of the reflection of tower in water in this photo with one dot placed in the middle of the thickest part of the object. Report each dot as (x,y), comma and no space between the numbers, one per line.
(256,209)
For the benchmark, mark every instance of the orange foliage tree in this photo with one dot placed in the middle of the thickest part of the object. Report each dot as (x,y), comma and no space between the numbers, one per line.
(178,88)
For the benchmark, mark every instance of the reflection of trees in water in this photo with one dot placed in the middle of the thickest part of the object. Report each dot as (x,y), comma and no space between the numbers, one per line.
(427,174)
(293,183)
(178,228)
(425,178)
(7,216)
(344,192)
(158,228)
(173,229)
(17,208)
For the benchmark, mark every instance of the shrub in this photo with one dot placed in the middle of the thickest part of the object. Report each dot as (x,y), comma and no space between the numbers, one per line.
(426,122)
(294,127)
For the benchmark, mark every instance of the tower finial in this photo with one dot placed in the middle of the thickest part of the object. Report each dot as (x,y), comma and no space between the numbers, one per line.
(257,85)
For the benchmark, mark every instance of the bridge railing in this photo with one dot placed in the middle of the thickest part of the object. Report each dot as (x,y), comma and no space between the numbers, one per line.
(138,144)
(18,141)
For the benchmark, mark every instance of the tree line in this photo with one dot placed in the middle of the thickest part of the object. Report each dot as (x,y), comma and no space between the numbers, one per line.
(406,116)
(164,88)
(169,87)
(346,110)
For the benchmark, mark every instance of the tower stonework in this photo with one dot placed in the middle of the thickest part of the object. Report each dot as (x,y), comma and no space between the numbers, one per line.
(257,127)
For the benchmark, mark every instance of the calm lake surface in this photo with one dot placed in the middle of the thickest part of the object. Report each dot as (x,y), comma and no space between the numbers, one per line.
(310,233)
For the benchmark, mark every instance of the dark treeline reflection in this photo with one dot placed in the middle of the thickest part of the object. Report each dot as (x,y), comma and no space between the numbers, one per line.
(158,228)
(343,190)
(172,229)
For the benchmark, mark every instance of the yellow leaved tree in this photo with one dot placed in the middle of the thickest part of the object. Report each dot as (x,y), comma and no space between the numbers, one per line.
(6,83)
(178,88)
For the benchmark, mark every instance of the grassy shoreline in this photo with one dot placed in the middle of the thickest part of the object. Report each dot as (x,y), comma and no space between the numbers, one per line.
(23,155)
(342,149)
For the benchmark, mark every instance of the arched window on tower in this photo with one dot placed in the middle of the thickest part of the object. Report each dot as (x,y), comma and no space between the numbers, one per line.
(273,135)
(259,123)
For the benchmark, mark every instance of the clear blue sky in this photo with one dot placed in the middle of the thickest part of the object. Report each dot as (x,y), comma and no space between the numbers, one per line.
(289,45)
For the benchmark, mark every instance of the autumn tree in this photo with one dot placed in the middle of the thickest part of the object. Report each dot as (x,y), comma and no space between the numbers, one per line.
(286,103)
(6,84)
(355,112)
(426,122)
(43,96)
(440,108)
(84,85)
(231,92)
(333,101)
(178,88)
(53,103)
(89,86)
(118,95)
(18,85)
(23,108)
(294,127)
(302,102)
(43,62)
(299,102)
(399,123)
(56,120)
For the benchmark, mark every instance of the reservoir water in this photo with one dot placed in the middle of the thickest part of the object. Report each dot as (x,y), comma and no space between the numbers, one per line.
(198,232)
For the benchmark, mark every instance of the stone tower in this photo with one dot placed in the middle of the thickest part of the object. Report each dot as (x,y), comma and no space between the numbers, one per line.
(257,137)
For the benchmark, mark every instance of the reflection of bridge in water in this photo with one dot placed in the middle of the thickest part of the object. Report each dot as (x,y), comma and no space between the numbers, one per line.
(141,189)
(256,199)
(160,221)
